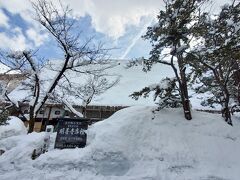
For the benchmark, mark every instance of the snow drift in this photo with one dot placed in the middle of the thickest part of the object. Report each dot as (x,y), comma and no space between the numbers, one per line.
(14,127)
(135,144)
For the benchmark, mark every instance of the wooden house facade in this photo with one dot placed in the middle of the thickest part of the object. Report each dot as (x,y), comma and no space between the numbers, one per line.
(51,113)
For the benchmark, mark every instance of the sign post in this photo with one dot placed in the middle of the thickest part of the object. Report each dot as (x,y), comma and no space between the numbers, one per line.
(70,133)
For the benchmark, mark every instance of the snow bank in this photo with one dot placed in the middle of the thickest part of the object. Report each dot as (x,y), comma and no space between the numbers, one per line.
(134,144)
(14,128)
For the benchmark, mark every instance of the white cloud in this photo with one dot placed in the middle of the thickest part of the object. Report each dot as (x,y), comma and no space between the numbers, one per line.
(15,6)
(3,19)
(37,37)
(16,42)
(34,33)
(110,17)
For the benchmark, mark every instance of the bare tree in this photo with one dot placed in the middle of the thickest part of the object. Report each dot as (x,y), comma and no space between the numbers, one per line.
(61,27)
(23,62)
(76,52)
(95,85)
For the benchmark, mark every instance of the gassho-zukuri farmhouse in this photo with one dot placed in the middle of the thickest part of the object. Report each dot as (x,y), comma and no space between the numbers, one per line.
(102,106)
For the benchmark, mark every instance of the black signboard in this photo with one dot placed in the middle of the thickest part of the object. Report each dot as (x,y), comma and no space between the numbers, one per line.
(70,133)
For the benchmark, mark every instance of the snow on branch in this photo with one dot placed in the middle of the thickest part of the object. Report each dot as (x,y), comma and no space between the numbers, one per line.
(166,91)
(71,108)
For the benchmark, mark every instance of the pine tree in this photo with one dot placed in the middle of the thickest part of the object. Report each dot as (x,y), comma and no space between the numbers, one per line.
(165,92)
(216,58)
(173,31)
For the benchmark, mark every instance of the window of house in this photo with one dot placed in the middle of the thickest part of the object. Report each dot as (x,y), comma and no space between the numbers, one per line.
(89,107)
(66,113)
(57,112)
(96,107)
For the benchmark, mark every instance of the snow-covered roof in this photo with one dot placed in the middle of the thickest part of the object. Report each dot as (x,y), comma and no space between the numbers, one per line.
(5,69)
(131,79)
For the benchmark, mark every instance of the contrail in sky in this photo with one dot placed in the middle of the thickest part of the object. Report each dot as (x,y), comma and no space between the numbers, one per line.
(136,38)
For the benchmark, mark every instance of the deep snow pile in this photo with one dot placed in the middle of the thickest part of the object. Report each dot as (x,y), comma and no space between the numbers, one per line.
(15,127)
(134,144)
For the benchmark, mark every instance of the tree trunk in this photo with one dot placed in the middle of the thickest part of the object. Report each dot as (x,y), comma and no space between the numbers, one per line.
(238,93)
(184,89)
(31,120)
(226,110)
(227,115)
(185,99)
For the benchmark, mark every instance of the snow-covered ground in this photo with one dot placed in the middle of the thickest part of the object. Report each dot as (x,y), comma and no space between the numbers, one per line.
(133,144)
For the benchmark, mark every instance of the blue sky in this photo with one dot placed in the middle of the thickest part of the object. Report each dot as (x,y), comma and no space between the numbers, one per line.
(118,24)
